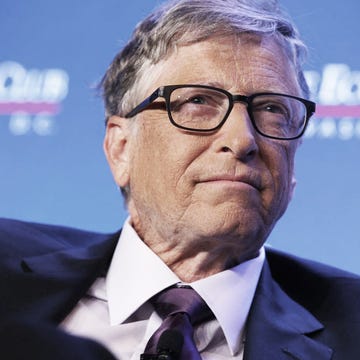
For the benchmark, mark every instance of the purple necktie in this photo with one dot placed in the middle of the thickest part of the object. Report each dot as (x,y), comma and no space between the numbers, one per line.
(180,308)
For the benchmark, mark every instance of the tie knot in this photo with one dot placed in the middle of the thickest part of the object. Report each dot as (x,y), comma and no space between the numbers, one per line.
(181,300)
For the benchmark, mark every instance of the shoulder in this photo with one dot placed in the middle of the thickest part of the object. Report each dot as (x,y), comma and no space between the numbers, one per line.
(29,238)
(279,259)
(322,289)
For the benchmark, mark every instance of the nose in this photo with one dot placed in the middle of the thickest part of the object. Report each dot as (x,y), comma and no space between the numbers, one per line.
(237,135)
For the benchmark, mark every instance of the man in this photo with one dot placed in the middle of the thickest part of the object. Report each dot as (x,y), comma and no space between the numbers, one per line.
(205,109)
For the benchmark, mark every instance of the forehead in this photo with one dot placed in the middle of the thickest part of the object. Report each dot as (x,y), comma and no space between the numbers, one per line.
(245,64)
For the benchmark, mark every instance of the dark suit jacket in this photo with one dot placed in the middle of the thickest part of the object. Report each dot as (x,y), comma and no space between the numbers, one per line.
(301,310)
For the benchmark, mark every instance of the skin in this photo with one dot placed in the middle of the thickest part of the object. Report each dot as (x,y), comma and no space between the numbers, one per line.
(206,202)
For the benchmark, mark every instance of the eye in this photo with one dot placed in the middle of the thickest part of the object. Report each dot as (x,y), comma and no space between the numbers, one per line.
(274,108)
(188,102)
(198,99)
(273,105)
(194,100)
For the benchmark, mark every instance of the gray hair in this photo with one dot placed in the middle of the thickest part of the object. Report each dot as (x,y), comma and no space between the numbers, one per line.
(183,22)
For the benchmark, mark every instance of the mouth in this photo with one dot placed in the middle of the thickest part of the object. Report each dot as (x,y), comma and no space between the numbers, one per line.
(248,179)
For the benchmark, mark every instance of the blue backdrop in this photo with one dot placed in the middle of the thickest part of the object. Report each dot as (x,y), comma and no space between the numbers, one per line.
(51,121)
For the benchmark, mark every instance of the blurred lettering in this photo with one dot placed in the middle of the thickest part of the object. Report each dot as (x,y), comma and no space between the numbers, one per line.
(337,93)
(31,97)
(20,85)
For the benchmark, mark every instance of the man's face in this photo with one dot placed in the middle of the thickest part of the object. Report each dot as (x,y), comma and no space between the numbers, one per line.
(222,191)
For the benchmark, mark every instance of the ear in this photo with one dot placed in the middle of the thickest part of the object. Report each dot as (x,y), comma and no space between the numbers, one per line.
(116,148)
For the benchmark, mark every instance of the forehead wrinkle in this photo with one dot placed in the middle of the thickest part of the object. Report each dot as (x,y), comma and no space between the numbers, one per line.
(242,65)
(258,71)
(253,69)
(278,76)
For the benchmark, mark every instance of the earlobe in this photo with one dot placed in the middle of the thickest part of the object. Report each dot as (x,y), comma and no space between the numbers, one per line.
(116,143)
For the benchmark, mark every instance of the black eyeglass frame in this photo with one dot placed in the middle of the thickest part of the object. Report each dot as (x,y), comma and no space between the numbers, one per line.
(165,92)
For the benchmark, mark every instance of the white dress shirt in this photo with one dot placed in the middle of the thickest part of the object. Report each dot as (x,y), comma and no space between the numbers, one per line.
(116,311)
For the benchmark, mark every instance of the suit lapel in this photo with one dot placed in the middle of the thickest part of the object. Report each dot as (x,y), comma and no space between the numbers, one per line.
(279,328)
(52,283)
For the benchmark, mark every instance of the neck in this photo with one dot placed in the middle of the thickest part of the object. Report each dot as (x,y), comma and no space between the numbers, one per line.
(197,264)
(193,259)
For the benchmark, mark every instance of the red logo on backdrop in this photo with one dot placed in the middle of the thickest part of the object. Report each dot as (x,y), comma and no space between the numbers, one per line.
(31,97)
(337,93)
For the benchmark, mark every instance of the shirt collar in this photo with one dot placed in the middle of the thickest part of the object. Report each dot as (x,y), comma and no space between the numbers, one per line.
(129,284)
(130,279)
(229,295)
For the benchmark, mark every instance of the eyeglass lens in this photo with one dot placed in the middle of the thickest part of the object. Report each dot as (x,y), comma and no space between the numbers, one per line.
(200,108)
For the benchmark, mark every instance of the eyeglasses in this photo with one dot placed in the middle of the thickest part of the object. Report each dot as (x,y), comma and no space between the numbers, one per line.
(204,108)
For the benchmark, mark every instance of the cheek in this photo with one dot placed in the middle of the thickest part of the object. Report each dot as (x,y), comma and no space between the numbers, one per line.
(280,166)
(160,158)
(146,169)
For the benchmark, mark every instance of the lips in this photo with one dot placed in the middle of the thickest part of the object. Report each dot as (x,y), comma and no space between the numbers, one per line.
(250,177)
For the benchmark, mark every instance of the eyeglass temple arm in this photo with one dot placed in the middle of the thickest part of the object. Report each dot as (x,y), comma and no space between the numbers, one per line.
(143,105)
(311,109)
